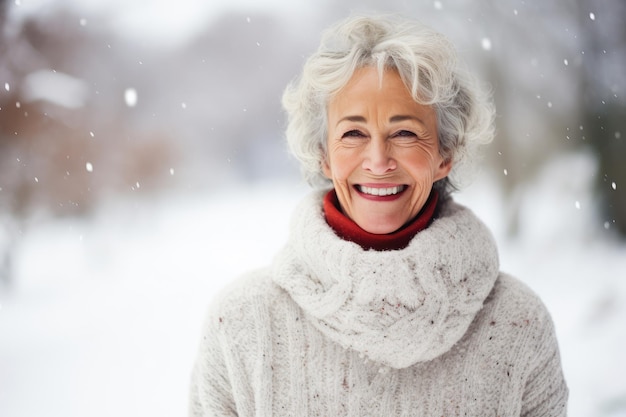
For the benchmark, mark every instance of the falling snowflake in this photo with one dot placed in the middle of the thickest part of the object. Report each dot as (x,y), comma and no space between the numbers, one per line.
(89,167)
(130,97)
(592,16)
(486,44)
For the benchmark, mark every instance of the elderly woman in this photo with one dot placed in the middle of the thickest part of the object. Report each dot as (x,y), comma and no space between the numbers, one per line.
(387,298)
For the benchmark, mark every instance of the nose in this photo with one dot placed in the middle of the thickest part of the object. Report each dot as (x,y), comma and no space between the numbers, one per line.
(378,159)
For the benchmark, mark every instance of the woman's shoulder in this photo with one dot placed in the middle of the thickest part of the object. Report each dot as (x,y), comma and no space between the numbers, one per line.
(514,303)
(249,293)
(516,292)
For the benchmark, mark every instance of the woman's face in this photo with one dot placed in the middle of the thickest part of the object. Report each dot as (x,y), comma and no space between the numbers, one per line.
(383,153)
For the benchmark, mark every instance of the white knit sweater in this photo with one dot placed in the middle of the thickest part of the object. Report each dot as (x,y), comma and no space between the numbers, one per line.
(333,330)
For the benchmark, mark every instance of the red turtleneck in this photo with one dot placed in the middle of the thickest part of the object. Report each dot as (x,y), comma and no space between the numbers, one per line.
(349,230)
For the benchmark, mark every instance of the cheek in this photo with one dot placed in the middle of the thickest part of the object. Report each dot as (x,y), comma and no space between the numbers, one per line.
(423,170)
(339,166)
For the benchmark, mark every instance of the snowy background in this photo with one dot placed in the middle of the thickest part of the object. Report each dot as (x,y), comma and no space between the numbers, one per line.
(167,178)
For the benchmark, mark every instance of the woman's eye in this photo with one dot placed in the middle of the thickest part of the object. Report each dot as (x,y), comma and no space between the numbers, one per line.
(353,134)
(405,134)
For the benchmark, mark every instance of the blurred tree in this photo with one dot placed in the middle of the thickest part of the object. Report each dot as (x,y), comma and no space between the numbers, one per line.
(5,232)
(230,78)
(209,108)
(532,90)
(62,148)
(603,103)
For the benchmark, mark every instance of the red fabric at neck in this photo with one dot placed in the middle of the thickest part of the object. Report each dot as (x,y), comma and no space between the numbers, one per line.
(349,230)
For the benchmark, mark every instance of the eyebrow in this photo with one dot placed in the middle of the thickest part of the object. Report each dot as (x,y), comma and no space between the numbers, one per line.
(392,119)
(360,119)
(402,118)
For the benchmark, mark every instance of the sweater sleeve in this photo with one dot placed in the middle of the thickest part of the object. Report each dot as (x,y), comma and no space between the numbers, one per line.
(211,393)
(546,392)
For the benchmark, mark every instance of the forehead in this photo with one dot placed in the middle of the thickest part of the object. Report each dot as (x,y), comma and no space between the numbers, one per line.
(371,90)
(371,79)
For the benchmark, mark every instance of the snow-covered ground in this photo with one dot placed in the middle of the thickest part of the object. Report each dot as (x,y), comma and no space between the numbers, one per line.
(105,314)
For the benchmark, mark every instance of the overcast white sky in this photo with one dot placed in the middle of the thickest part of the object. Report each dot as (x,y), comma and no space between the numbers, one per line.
(166,21)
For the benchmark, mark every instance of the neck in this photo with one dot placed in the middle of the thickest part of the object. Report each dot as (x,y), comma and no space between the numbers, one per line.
(349,230)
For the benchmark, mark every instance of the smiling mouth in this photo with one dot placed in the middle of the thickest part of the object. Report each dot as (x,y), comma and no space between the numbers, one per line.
(381,191)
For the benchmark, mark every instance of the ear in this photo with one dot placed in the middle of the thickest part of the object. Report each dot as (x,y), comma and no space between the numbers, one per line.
(326,168)
(443,169)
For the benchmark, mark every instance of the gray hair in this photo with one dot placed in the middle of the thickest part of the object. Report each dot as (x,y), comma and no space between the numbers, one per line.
(427,64)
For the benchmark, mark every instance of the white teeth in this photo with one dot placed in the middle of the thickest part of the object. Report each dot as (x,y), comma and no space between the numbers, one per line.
(381,191)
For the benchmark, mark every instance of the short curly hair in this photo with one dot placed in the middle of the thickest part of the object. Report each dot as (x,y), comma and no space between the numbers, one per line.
(427,64)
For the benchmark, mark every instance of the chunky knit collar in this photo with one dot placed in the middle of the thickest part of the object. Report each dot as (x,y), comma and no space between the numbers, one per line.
(396,307)
(349,230)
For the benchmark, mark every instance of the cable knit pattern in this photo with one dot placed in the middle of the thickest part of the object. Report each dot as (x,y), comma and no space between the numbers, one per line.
(334,330)
(397,307)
